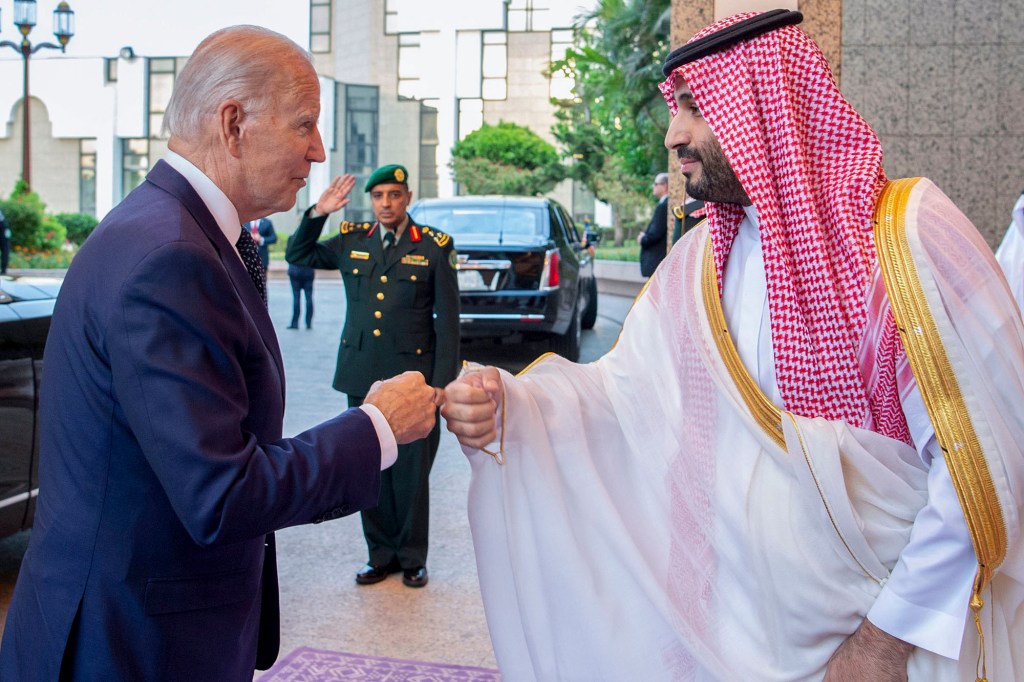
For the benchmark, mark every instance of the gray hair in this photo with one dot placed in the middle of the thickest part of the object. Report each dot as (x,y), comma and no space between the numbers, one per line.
(661,179)
(238,62)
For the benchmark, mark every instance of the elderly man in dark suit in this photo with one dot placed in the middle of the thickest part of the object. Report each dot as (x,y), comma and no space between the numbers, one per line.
(163,471)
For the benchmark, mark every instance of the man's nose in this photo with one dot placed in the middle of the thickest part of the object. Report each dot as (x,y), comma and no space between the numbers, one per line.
(316,152)
(678,134)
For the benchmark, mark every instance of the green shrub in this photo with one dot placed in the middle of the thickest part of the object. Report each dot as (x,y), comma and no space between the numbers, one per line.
(22,258)
(78,226)
(30,227)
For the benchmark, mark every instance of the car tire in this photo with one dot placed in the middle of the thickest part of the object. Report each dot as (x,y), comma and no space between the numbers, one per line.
(590,312)
(568,344)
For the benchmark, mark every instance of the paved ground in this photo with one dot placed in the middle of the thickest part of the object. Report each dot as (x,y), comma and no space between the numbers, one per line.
(321,605)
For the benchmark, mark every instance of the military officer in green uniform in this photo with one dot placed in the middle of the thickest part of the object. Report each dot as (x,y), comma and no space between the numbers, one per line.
(402,314)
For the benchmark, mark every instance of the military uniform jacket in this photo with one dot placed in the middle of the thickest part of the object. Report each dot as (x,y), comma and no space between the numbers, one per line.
(403,306)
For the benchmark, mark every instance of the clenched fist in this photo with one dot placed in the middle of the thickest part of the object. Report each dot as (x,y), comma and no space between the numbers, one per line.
(471,407)
(408,403)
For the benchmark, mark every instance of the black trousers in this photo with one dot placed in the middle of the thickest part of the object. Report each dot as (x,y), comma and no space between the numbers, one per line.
(396,529)
(300,285)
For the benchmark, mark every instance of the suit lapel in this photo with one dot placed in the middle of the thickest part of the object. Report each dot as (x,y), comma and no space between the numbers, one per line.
(172,182)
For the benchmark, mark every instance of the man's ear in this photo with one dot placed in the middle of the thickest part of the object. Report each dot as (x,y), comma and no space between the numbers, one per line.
(231,119)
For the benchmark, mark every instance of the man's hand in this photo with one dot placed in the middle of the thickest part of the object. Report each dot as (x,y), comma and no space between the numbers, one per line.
(640,239)
(869,654)
(408,403)
(470,408)
(336,195)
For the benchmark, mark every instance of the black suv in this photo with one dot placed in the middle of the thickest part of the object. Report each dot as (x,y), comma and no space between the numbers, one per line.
(26,305)
(523,268)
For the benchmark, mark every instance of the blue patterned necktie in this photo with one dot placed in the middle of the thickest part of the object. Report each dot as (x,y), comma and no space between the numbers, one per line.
(251,258)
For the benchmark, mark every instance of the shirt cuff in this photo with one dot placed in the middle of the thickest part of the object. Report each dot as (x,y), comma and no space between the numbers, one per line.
(935,631)
(388,444)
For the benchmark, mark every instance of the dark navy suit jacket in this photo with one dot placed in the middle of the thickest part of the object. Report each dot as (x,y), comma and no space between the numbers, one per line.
(163,472)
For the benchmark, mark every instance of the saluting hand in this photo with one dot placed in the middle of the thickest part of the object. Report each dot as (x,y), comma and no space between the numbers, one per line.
(408,403)
(336,194)
(471,405)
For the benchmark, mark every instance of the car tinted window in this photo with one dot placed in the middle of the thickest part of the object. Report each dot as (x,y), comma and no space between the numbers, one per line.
(570,226)
(485,223)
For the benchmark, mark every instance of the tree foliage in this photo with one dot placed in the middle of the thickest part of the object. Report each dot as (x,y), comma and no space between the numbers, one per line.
(506,159)
(615,124)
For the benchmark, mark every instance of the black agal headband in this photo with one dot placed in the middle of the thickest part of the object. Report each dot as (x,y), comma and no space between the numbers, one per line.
(729,36)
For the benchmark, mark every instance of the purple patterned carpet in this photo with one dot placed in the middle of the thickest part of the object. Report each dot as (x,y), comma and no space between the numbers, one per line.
(315,665)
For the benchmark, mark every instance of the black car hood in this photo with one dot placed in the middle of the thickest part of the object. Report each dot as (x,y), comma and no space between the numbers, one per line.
(29,288)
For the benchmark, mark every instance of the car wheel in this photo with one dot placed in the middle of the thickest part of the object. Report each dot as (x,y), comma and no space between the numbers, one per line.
(590,312)
(568,344)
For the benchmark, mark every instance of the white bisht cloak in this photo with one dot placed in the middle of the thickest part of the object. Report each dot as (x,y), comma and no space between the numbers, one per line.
(647,525)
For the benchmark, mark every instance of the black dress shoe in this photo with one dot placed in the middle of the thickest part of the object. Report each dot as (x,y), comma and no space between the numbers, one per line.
(415,577)
(293,326)
(368,575)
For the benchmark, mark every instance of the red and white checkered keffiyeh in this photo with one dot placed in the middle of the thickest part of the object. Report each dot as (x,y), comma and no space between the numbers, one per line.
(813,169)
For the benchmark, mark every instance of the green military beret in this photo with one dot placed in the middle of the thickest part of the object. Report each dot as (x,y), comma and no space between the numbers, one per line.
(389,173)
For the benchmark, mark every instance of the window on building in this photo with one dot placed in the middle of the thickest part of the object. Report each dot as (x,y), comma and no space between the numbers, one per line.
(471,115)
(87,176)
(561,84)
(428,149)
(409,56)
(526,15)
(134,163)
(161,83)
(320,25)
(110,69)
(361,117)
(390,17)
(494,65)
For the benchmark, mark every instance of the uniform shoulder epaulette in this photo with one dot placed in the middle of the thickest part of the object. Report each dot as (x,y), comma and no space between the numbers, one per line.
(440,237)
(347,227)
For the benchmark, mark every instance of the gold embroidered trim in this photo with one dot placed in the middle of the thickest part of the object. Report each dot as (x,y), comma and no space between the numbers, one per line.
(938,385)
(940,391)
(767,415)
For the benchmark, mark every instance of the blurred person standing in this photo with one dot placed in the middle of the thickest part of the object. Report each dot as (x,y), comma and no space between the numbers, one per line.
(5,244)
(163,470)
(262,231)
(1010,253)
(301,279)
(652,241)
(402,314)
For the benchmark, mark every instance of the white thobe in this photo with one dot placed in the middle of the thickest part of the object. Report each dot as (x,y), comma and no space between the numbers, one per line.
(926,596)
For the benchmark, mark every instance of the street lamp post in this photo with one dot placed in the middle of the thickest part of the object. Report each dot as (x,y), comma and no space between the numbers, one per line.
(25,20)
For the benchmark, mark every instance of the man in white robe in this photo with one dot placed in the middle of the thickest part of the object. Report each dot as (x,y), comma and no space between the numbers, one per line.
(755,482)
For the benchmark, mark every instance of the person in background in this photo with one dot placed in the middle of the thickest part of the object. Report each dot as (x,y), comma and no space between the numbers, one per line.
(652,241)
(5,244)
(163,470)
(402,314)
(802,458)
(1010,253)
(301,279)
(262,231)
